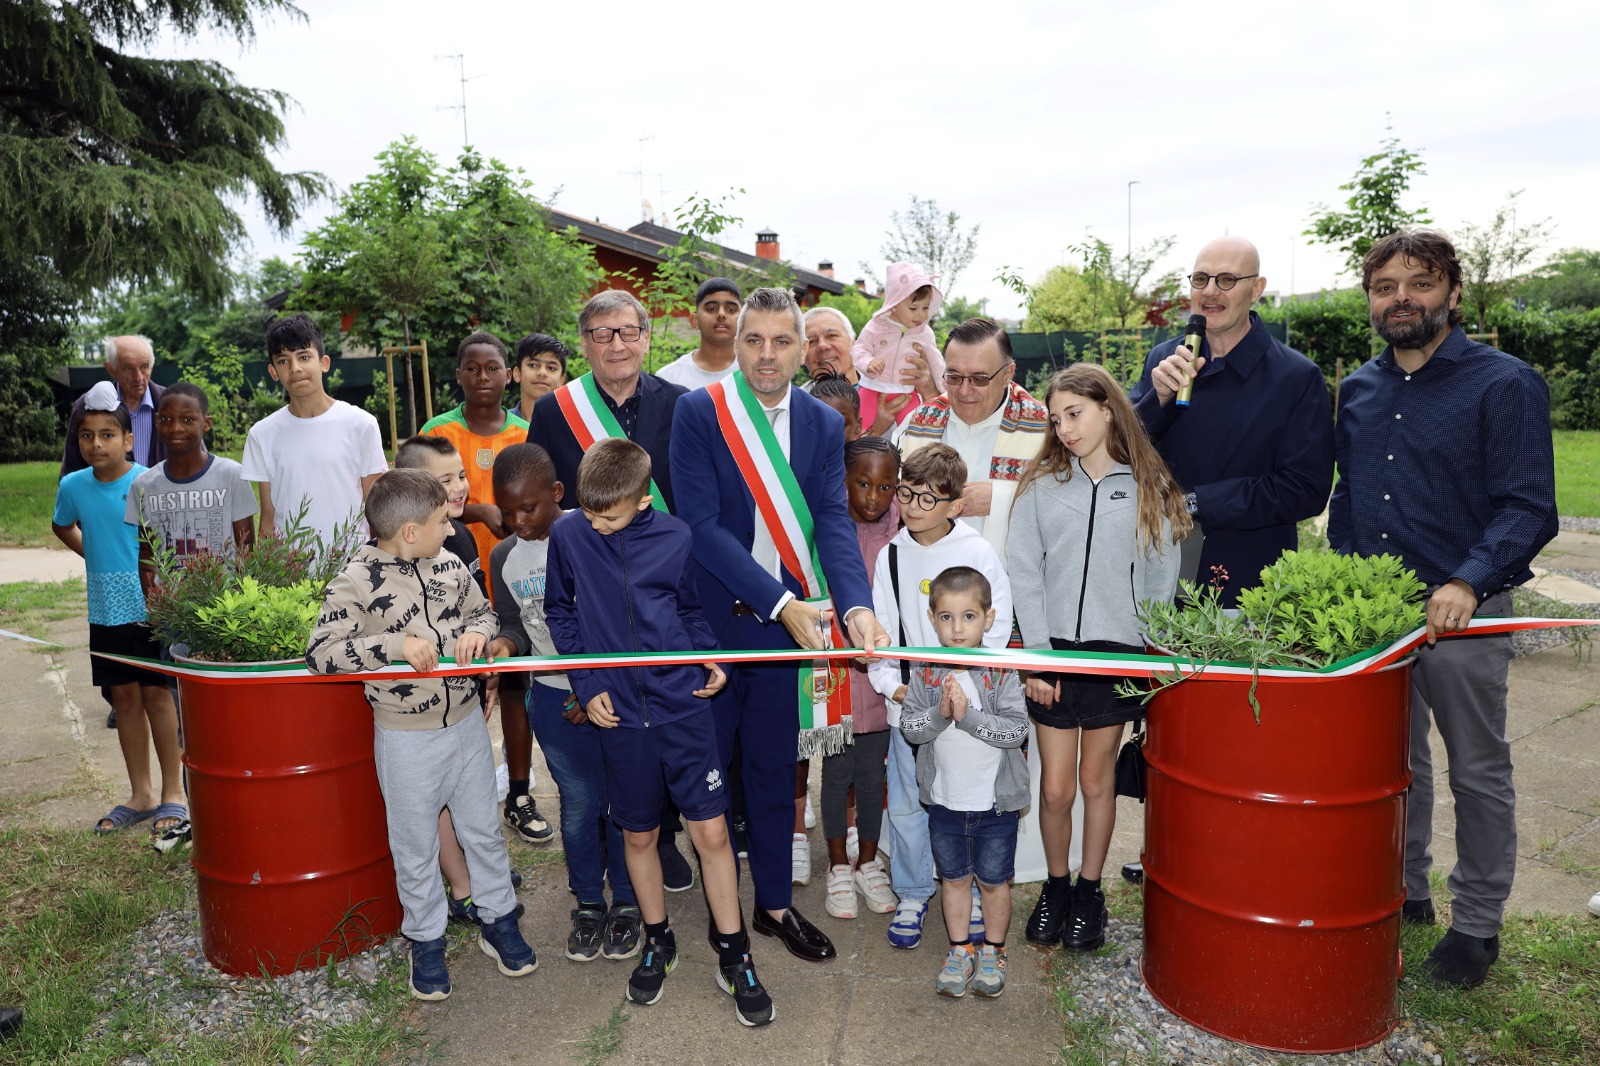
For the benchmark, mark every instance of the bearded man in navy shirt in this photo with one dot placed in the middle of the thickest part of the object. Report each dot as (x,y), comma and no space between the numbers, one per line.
(1254,448)
(1445,460)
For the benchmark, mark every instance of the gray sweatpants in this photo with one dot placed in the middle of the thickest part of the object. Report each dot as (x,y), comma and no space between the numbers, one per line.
(421,772)
(1460,683)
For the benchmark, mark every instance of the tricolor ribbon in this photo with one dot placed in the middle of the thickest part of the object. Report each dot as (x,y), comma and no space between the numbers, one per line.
(1061,662)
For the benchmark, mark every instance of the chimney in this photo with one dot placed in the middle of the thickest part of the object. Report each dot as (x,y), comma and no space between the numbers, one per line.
(861,283)
(825,268)
(766,245)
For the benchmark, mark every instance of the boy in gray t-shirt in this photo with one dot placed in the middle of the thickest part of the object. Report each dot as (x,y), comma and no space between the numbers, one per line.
(193,502)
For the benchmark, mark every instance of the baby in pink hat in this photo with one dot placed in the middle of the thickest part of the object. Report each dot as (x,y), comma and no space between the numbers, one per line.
(898,330)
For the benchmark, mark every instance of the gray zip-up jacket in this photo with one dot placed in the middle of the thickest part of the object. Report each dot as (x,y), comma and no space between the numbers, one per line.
(369,609)
(1075,573)
(1001,721)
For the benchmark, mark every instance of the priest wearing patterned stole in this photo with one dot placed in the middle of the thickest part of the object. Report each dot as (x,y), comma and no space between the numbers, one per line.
(759,472)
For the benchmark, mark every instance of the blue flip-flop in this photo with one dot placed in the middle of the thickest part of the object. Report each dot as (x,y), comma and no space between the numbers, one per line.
(121,816)
(168,810)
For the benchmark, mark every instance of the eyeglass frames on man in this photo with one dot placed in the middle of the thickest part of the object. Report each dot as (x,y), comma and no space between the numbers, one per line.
(603,334)
(954,381)
(1199,280)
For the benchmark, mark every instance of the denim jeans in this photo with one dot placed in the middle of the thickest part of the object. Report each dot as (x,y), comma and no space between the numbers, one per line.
(910,857)
(981,844)
(592,841)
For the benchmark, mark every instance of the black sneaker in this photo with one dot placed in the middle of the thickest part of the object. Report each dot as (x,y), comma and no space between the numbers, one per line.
(1086,928)
(644,986)
(676,873)
(751,1004)
(1418,912)
(1049,915)
(621,937)
(588,930)
(1133,873)
(522,815)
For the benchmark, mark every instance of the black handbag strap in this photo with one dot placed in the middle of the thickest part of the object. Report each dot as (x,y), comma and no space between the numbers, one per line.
(899,611)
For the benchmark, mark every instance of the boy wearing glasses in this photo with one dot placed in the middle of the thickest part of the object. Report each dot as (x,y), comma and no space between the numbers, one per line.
(931,484)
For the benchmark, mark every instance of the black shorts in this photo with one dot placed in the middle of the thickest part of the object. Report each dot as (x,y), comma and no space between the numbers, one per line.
(131,638)
(1088,701)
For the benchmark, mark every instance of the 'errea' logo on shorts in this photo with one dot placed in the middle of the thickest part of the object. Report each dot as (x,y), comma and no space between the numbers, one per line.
(713,780)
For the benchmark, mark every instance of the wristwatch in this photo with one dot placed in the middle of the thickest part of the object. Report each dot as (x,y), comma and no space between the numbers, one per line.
(1190,503)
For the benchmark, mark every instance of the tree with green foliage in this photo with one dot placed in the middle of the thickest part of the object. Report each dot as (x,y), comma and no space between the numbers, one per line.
(418,251)
(1066,300)
(1491,255)
(1372,210)
(122,168)
(935,242)
(1568,282)
(854,304)
(182,326)
(1122,281)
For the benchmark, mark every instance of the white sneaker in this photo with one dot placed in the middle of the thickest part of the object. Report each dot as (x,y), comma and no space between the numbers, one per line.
(852,845)
(811,816)
(800,859)
(1594,904)
(841,901)
(873,881)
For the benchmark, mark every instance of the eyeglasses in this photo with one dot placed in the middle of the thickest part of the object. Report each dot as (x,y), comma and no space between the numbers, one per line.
(955,381)
(1199,280)
(925,500)
(603,334)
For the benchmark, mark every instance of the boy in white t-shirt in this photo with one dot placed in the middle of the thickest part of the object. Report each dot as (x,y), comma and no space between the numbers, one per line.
(318,453)
(971,777)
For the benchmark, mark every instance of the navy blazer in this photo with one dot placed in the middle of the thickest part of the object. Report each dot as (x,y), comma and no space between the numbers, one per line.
(549,430)
(713,499)
(72,458)
(1255,447)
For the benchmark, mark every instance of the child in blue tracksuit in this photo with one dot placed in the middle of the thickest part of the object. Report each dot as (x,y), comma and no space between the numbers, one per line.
(618,579)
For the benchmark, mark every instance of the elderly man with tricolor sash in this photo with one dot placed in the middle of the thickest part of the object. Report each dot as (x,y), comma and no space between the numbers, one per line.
(759,471)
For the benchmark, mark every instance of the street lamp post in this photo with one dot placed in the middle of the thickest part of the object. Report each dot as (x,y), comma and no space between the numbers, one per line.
(1131,184)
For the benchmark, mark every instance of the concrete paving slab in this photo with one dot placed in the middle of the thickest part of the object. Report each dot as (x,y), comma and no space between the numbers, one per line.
(1572,550)
(39,564)
(1563,588)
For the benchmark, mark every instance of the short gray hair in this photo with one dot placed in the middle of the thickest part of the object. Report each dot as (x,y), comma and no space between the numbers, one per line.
(400,496)
(849,330)
(108,346)
(603,303)
(771,300)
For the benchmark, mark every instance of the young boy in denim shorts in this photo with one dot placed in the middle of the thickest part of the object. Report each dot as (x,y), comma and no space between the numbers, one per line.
(618,579)
(972,779)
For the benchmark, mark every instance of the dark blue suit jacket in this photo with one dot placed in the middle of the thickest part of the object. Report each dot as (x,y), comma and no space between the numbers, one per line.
(713,499)
(1255,447)
(548,429)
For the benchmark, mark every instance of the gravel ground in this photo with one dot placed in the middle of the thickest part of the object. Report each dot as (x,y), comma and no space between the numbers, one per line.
(168,972)
(1108,989)
(1580,525)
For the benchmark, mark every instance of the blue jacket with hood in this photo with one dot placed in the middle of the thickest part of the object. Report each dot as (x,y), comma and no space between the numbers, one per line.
(629,591)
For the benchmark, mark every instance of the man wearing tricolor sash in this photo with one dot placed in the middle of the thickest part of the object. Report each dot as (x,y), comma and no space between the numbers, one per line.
(615,399)
(759,468)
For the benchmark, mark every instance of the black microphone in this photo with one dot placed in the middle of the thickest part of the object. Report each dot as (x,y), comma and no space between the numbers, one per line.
(1194,335)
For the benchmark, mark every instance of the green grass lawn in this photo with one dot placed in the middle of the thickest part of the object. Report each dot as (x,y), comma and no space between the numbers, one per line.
(1578,472)
(27,499)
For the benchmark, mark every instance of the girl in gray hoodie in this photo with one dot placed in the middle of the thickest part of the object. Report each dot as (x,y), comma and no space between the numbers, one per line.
(1094,532)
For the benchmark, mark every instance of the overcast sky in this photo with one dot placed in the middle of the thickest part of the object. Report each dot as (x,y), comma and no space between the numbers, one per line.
(1029,118)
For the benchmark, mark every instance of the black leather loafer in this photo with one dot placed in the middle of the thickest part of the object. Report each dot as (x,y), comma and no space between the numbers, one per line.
(804,940)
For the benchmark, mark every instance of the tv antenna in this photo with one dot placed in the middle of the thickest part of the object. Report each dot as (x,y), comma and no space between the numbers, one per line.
(461,68)
(644,205)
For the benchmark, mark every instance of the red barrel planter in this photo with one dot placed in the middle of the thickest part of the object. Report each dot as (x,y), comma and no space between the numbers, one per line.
(291,847)
(1273,858)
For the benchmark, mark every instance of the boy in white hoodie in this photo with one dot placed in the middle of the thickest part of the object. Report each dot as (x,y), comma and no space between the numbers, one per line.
(931,542)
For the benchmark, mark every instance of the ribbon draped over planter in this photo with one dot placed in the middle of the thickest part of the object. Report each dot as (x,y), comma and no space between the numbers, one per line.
(1061,662)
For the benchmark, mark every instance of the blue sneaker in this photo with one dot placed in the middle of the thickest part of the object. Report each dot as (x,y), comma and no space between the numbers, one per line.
(429,979)
(905,929)
(502,941)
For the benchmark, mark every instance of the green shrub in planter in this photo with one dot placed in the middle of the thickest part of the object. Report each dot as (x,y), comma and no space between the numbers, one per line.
(254,605)
(1312,609)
